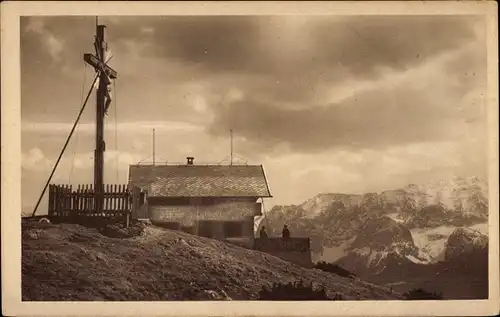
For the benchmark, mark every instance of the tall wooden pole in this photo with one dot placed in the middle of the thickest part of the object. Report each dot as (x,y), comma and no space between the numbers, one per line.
(99,135)
(106,73)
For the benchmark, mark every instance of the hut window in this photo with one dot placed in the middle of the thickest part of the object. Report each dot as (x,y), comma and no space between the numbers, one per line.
(233,229)
(205,228)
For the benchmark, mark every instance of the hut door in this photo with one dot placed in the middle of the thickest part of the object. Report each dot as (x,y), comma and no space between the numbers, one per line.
(205,228)
(233,229)
(136,203)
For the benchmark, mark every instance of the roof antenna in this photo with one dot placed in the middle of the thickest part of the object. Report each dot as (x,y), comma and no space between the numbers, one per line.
(231,132)
(154,148)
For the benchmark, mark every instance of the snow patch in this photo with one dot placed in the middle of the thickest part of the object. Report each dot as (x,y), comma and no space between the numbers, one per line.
(381,255)
(481,227)
(431,242)
(373,258)
(415,260)
(394,216)
(363,251)
(332,254)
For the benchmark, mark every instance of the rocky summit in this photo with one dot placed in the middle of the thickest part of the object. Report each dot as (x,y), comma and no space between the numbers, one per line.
(71,262)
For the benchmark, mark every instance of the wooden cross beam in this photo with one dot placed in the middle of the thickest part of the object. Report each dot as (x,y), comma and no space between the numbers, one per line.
(95,62)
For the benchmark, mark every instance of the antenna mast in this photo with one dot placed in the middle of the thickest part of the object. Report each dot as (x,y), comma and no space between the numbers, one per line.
(231,132)
(154,148)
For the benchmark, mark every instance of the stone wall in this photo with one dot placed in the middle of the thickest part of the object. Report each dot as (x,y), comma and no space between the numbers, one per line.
(245,242)
(221,209)
(213,220)
(295,250)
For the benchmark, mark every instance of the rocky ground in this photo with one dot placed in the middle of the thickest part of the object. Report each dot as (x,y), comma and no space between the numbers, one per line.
(71,262)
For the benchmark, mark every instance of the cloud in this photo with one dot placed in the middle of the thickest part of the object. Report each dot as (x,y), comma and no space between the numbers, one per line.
(286,58)
(421,104)
(52,44)
(295,177)
(364,44)
(147,30)
(463,68)
(288,65)
(115,159)
(76,165)
(137,127)
(35,160)
(282,59)
(367,121)
(259,43)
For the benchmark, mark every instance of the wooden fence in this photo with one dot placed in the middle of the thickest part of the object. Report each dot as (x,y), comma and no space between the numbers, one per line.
(67,204)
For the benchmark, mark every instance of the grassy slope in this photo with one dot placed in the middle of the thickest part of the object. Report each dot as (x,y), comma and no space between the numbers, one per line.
(465,277)
(70,262)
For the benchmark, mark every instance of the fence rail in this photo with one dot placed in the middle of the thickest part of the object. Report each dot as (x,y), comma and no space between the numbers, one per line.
(67,202)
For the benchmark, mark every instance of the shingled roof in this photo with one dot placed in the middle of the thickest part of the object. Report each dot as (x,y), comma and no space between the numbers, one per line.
(200,180)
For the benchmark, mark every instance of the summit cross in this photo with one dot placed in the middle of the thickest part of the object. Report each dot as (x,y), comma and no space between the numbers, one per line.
(105,73)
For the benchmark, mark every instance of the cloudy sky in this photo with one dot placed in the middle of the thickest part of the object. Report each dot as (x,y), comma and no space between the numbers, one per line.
(325,103)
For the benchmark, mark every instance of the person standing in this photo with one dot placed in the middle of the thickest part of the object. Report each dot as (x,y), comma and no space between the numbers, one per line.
(286,232)
(263,233)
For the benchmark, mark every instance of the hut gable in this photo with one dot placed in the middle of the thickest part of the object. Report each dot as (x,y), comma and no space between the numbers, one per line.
(200,180)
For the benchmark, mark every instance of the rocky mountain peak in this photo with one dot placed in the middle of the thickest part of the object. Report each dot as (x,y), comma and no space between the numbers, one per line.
(463,241)
(382,233)
(321,202)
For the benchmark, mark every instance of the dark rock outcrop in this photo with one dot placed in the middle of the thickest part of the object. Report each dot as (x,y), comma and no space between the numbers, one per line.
(463,242)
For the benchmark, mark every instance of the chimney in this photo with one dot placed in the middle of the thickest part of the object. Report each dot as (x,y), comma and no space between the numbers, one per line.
(190,160)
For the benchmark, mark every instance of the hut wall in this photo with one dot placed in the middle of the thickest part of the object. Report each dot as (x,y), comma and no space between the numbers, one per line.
(219,218)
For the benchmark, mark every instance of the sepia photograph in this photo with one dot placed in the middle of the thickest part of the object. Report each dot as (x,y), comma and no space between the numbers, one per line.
(256,157)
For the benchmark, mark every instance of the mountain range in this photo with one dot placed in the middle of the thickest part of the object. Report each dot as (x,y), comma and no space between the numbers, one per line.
(407,237)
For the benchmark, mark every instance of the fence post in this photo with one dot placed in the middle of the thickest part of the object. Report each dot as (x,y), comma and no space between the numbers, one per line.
(50,201)
(92,200)
(79,199)
(58,199)
(84,198)
(67,200)
(115,202)
(70,201)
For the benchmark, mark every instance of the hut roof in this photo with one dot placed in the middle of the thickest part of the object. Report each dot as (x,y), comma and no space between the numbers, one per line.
(200,180)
